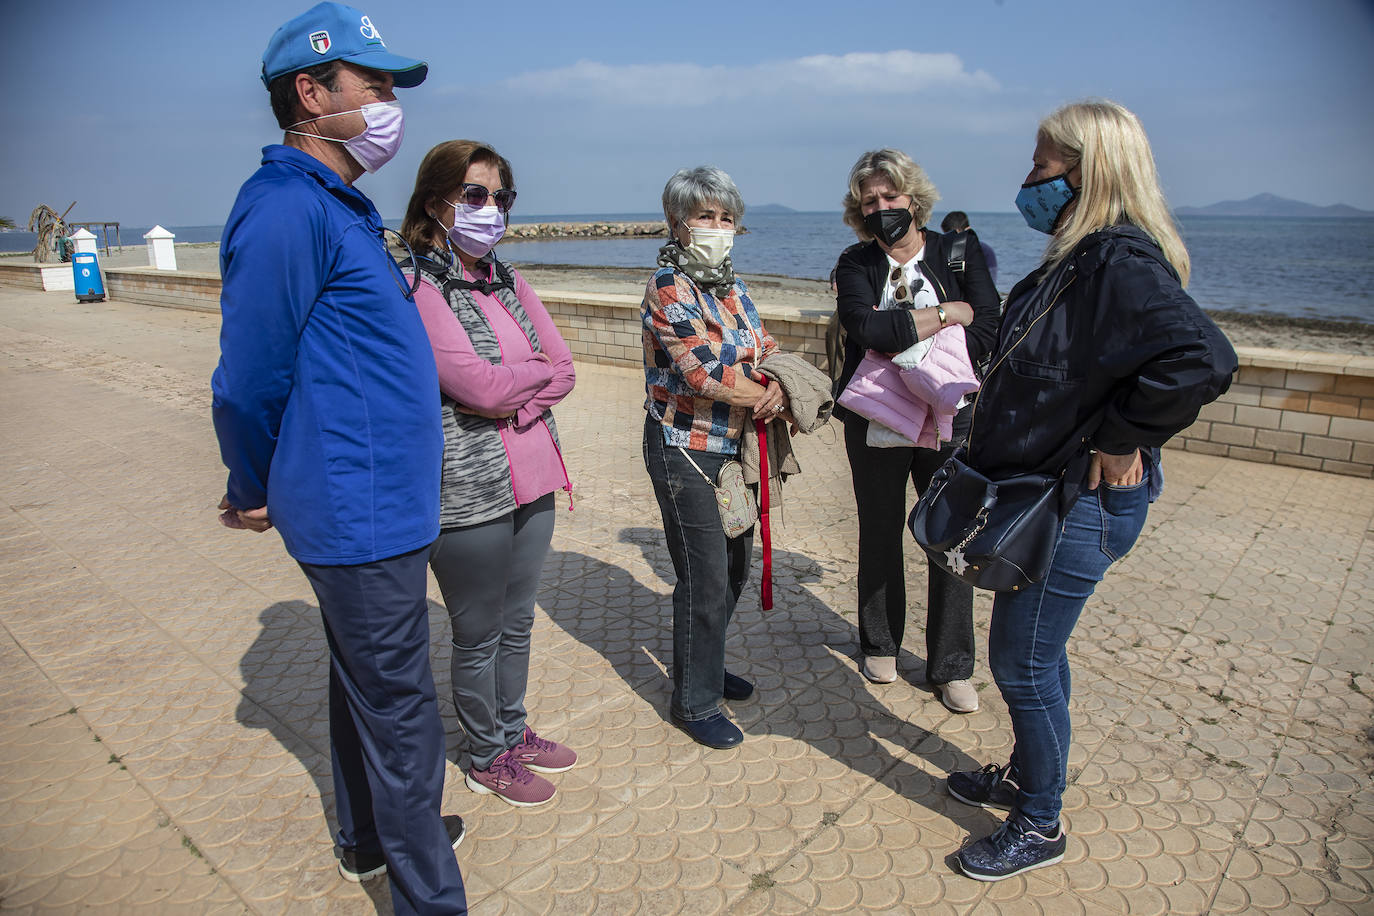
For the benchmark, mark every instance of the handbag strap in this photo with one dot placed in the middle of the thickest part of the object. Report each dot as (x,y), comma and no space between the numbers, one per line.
(766,581)
(1001,358)
(695,465)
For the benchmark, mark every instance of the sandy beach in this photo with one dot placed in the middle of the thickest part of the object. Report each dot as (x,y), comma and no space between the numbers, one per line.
(1244,329)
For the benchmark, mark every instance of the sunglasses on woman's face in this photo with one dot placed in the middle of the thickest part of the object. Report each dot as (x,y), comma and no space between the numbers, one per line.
(476,195)
(900,291)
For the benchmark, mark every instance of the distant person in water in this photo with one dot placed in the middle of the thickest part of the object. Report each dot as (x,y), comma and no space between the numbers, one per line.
(957,221)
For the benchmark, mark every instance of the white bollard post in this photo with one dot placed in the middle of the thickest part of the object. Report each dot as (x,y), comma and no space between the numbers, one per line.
(84,240)
(162,254)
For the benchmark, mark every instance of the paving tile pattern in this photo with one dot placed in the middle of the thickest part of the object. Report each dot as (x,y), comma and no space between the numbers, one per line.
(163,746)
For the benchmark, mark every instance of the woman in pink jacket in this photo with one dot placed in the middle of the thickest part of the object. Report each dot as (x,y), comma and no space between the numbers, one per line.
(502,366)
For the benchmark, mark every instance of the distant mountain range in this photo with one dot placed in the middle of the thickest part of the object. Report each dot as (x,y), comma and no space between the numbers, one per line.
(1271,205)
(771,208)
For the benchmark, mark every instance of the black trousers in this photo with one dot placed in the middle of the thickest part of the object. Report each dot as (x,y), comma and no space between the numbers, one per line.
(880,476)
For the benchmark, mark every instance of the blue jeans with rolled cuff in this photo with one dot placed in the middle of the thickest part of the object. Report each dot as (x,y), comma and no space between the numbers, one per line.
(1028,641)
(711,570)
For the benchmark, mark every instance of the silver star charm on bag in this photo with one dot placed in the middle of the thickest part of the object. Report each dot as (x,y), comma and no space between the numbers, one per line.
(955,558)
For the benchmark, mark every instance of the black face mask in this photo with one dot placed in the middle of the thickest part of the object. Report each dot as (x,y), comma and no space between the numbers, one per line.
(888,226)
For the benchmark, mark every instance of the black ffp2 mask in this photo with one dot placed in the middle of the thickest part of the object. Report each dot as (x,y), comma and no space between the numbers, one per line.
(888,226)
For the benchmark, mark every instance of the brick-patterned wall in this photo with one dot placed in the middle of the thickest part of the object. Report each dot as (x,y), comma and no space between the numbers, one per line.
(1298,408)
(28,274)
(1307,410)
(598,328)
(607,328)
(166,288)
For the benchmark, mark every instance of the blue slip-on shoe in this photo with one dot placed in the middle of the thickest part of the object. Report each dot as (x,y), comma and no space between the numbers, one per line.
(713,731)
(359,866)
(737,688)
(1017,846)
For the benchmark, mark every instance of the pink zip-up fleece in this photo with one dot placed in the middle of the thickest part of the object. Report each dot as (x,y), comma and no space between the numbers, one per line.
(524,382)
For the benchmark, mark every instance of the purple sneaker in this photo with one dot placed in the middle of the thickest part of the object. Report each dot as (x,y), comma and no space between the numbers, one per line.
(542,755)
(509,781)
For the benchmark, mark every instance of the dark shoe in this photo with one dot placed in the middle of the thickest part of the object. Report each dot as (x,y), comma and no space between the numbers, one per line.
(358,866)
(1017,846)
(713,731)
(737,688)
(990,787)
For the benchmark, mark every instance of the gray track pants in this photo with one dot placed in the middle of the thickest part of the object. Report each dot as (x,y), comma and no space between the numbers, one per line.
(489,574)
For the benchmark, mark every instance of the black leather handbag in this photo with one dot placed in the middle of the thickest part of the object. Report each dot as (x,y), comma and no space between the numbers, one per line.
(998,534)
(994,534)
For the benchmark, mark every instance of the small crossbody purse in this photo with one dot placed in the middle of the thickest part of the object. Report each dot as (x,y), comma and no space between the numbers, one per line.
(738,508)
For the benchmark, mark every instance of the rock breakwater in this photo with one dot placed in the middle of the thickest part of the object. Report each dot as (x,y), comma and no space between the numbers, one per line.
(543,232)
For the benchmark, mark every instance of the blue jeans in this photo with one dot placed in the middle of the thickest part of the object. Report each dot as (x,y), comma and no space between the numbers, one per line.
(1027,645)
(711,570)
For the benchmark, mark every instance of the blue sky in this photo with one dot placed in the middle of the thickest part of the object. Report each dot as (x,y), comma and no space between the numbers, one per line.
(151,110)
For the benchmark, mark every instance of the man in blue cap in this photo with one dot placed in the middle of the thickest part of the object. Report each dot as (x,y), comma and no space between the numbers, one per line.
(326,405)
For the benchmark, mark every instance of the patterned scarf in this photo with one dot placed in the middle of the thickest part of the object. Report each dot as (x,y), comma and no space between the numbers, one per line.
(716,280)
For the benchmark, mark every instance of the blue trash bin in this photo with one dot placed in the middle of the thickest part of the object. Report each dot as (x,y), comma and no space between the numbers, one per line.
(86,274)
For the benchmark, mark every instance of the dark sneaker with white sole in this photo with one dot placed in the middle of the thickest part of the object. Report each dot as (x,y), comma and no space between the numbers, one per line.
(990,787)
(1017,846)
(358,866)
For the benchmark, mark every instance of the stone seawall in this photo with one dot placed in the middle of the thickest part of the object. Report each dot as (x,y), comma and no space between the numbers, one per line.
(1291,407)
(543,232)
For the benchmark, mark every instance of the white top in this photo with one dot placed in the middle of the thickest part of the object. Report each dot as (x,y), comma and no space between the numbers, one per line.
(923,297)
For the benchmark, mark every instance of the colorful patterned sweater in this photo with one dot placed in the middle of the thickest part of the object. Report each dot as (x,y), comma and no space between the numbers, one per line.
(695,348)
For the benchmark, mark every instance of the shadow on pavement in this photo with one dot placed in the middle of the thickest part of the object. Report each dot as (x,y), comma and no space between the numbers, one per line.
(286,691)
(837,715)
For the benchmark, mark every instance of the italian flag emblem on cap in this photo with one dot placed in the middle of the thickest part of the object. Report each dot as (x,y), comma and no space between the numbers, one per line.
(319,41)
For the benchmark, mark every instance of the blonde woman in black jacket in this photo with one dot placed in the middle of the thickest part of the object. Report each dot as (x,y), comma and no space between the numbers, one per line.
(1101,351)
(894,290)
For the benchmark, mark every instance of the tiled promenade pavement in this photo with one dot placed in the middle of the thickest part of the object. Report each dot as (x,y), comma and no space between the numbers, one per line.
(163,742)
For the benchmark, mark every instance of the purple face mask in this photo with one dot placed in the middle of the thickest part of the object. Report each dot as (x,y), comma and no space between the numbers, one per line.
(476,230)
(380,139)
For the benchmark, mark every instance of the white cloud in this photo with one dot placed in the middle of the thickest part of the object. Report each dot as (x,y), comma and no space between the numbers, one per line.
(885,73)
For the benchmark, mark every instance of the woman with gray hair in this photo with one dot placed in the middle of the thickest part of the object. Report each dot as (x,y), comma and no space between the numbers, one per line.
(898,289)
(702,341)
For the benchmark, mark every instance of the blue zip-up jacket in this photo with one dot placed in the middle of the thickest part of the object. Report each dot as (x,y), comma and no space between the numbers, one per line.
(326,399)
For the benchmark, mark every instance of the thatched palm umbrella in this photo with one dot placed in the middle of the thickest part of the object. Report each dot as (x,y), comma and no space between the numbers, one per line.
(49,226)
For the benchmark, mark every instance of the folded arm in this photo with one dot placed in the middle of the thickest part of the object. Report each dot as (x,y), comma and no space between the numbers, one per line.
(493,389)
(555,350)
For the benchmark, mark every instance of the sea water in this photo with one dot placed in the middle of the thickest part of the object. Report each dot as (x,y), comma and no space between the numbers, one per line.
(1305,268)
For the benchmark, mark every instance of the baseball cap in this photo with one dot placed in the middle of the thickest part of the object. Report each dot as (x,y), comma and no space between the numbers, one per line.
(332,31)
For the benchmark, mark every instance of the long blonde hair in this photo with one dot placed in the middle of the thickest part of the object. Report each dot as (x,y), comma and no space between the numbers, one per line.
(1120,182)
